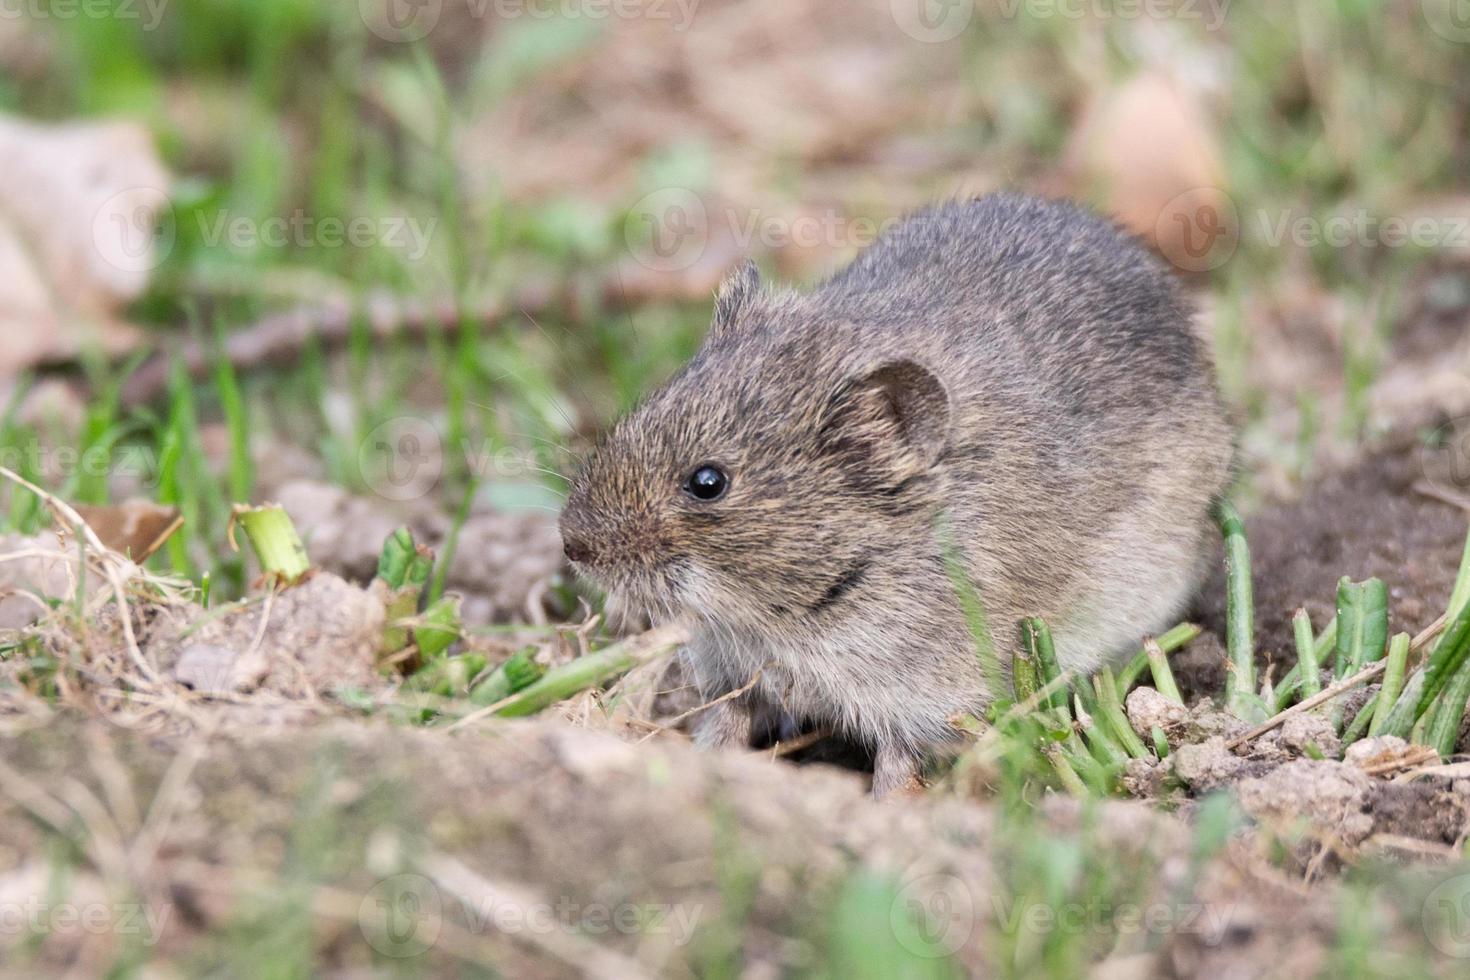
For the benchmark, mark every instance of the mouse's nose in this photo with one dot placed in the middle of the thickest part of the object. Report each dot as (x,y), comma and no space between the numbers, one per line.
(576,547)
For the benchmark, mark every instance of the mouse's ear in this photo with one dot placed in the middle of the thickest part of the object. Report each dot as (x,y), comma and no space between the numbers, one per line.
(892,419)
(739,288)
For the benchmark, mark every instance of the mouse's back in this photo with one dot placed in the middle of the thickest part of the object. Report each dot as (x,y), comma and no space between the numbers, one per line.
(1088,439)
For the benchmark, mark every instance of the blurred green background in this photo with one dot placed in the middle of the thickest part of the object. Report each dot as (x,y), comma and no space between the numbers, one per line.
(494,147)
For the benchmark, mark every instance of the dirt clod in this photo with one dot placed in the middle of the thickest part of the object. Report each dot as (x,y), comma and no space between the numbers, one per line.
(1206,765)
(1331,798)
(315,638)
(1148,709)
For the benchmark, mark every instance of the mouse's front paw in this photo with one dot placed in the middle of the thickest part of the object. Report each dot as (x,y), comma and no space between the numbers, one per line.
(723,725)
(896,772)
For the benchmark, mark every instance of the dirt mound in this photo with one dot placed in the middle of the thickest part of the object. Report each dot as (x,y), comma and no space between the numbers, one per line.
(542,848)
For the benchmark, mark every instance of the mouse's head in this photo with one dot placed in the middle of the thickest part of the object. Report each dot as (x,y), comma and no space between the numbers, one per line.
(766,480)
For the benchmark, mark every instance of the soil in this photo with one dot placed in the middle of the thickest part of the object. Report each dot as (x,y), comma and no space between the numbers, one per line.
(1365,521)
(543,815)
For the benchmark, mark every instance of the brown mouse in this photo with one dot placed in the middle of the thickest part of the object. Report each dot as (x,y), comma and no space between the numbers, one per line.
(1019,371)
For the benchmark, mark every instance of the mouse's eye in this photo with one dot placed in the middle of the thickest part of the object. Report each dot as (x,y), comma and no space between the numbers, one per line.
(707,483)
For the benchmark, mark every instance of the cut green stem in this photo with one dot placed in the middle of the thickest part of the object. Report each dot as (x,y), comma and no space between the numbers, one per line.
(1158,663)
(1240,676)
(589,671)
(1168,642)
(1306,653)
(1290,685)
(274,540)
(1036,636)
(438,628)
(1106,688)
(1393,683)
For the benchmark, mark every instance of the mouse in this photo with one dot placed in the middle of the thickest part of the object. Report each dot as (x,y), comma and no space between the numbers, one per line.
(1009,386)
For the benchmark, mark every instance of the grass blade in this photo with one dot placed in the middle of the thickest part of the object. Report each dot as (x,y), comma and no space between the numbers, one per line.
(1393,682)
(1362,616)
(1158,663)
(1240,676)
(585,672)
(1036,636)
(1446,659)
(1290,684)
(1443,731)
(1170,641)
(1306,653)
(1106,687)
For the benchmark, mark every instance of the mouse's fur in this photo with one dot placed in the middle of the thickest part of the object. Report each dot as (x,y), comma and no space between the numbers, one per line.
(1017,370)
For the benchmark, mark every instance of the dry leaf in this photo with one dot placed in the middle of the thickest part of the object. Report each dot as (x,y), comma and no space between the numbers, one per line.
(77,217)
(137,528)
(1146,152)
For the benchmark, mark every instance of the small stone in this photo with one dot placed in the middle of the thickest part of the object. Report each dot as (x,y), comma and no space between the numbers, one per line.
(1205,765)
(1147,709)
(1373,751)
(212,669)
(1331,797)
(1143,779)
(1300,733)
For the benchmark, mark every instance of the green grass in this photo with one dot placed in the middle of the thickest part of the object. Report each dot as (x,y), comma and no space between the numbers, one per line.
(1365,133)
